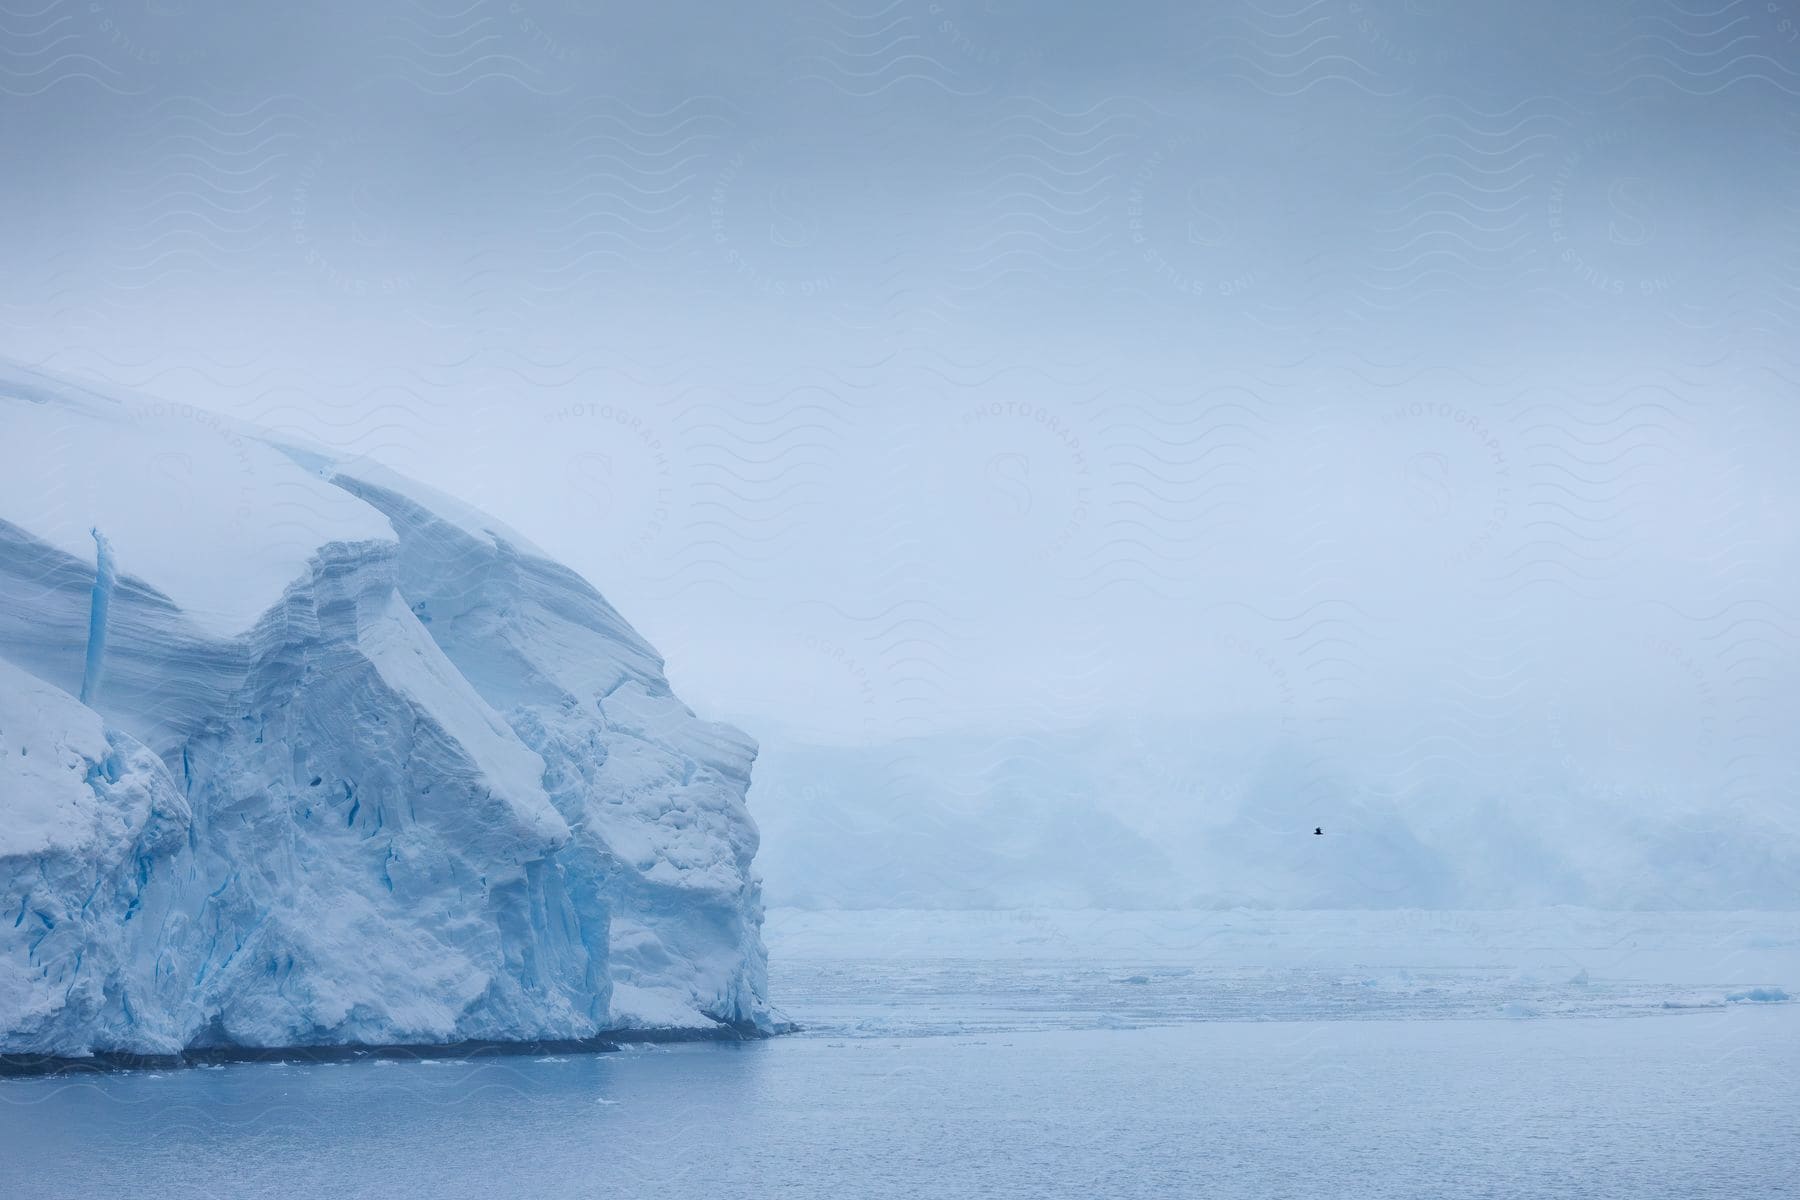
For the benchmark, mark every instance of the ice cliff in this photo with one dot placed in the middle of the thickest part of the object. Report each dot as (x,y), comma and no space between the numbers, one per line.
(294,751)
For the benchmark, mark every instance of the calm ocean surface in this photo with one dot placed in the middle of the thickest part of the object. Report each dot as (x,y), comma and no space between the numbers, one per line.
(970,1077)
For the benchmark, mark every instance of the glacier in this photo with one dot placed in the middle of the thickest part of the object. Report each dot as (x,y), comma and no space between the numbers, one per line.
(295,751)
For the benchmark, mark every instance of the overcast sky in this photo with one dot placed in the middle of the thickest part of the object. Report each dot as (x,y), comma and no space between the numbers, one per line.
(902,365)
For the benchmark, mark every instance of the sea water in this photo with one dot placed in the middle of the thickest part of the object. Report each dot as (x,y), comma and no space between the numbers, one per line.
(970,1070)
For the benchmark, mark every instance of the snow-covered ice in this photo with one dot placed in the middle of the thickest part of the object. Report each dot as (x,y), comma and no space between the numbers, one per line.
(355,763)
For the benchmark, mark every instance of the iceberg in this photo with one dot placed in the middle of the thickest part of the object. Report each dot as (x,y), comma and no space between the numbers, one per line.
(295,751)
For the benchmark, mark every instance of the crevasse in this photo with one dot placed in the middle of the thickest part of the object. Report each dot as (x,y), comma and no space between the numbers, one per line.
(104,579)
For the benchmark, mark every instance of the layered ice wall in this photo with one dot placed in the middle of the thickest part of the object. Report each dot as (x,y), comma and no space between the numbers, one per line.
(355,764)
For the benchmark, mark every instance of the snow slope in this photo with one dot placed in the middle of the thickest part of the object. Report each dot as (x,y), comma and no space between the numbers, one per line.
(356,764)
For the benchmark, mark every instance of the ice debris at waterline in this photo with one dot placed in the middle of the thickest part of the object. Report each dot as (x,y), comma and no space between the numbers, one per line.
(356,764)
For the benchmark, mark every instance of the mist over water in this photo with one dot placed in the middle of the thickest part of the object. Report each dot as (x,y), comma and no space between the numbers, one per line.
(1257,541)
(1376,414)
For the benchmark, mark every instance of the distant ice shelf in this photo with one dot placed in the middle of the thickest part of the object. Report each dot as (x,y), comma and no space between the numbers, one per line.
(295,751)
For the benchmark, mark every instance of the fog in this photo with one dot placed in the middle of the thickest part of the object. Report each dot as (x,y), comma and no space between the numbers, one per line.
(1409,385)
